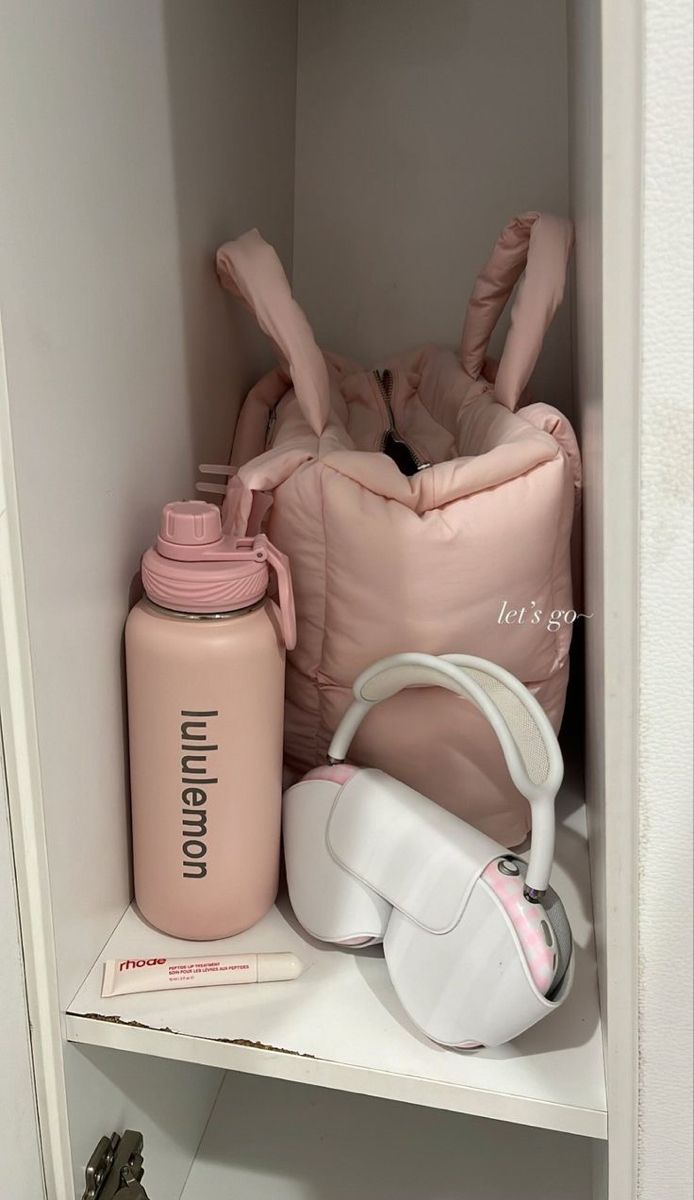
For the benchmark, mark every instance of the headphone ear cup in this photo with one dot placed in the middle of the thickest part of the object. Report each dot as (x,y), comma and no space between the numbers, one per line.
(328,901)
(543,929)
(559,922)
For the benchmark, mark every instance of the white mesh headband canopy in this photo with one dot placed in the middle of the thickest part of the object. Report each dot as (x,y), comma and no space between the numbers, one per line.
(521,724)
(525,734)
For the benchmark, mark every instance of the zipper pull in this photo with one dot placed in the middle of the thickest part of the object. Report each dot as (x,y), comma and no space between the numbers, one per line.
(272,417)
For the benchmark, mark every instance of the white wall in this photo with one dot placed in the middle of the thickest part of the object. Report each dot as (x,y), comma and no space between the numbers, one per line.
(585,69)
(169,1103)
(421,129)
(133,139)
(665,717)
(585,139)
(22,1177)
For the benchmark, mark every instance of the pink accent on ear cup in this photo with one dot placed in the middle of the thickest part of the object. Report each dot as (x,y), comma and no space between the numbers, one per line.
(359,941)
(337,773)
(528,921)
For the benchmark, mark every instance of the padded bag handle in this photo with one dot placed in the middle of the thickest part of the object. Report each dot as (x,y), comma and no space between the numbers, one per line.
(540,243)
(249,267)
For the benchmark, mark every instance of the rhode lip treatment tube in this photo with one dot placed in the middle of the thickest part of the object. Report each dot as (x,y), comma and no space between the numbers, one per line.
(124,975)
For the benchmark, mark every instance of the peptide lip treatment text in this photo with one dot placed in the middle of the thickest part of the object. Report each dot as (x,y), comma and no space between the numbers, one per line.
(125,975)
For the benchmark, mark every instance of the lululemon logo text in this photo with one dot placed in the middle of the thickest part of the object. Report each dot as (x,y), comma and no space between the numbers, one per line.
(197,765)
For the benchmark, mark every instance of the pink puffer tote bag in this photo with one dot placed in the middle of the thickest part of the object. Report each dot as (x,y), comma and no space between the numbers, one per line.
(414,501)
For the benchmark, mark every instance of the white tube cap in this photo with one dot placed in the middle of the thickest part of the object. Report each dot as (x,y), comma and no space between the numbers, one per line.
(274,967)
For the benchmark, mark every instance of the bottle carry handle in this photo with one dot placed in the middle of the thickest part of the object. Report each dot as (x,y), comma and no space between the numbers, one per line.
(232,549)
(280,565)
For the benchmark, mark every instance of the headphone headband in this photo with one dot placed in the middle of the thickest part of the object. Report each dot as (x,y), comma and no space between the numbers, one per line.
(497,694)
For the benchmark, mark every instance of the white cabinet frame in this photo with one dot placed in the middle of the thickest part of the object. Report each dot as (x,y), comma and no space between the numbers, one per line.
(612,544)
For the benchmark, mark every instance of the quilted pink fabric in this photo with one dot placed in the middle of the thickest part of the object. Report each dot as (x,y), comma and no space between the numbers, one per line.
(412,503)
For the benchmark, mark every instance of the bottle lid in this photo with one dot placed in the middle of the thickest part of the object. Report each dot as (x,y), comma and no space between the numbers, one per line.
(181,574)
(190,523)
(194,567)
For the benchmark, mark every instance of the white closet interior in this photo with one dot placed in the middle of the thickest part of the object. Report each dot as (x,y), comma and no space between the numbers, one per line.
(380,146)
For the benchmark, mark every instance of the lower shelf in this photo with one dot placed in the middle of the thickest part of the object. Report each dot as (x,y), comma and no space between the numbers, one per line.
(340,1025)
(272,1140)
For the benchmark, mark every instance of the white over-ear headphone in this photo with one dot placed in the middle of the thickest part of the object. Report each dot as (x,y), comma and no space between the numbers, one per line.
(478,948)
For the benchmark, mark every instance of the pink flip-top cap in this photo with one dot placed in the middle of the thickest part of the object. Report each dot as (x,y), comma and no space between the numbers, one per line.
(195,567)
(182,572)
(190,523)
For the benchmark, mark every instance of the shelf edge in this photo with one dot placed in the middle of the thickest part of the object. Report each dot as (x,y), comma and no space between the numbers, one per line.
(344,1077)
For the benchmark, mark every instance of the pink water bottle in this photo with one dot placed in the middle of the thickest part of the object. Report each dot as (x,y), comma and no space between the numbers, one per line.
(205,655)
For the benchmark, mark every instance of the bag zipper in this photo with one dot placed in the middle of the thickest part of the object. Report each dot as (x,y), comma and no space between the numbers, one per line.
(271,421)
(402,453)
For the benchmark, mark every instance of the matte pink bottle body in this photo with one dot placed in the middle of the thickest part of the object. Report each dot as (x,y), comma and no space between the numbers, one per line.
(205,656)
(205,705)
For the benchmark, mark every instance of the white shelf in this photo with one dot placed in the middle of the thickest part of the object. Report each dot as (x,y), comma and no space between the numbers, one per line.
(340,1025)
(271,1140)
